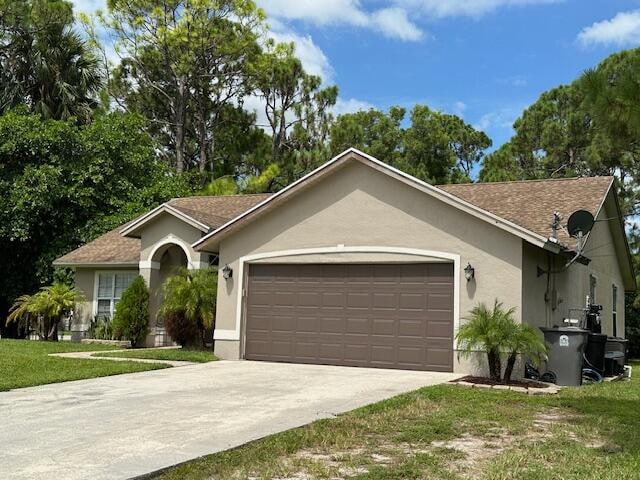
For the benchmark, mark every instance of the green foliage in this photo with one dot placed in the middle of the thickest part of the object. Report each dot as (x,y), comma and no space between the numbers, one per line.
(220,186)
(632,325)
(297,109)
(436,147)
(190,297)
(46,308)
(101,329)
(44,63)
(131,319)
(187,68)
(495,332)
(63,184)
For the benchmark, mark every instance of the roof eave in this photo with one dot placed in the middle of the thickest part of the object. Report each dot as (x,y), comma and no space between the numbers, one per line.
(57,263)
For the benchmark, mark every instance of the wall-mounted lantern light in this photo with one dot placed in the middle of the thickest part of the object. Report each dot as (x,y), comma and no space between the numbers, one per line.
(227,272)
(469,272)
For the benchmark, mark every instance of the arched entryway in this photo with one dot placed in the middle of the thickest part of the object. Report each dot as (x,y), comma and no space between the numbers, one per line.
(167,259)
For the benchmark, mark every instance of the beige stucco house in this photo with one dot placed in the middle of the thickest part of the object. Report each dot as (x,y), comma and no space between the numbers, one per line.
(360,264)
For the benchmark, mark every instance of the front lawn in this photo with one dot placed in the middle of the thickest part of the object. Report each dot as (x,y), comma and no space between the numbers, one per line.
(173,354)
(452,432)
(25,363)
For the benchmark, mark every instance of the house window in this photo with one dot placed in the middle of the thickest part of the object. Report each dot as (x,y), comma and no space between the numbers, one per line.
(614,309)
(110,288)
(592,289)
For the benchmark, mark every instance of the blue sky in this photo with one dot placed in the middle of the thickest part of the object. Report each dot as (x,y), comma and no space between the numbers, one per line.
(485,60)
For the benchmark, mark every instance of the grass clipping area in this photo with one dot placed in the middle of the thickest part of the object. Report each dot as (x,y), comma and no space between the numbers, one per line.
(172,354)
(25,363)
(451,432)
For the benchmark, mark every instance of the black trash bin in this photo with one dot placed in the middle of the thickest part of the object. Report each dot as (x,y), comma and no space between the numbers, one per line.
(594,352)
(615,356)
(566,348)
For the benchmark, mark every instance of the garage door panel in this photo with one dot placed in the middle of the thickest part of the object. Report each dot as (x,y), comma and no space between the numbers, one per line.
(376,315)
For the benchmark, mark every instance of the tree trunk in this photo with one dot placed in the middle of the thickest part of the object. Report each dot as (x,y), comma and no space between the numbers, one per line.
(52,334)
(495,367)
(179,125)
(508,370)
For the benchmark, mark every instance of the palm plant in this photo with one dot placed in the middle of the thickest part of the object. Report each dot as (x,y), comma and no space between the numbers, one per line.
(487,330)
(47,308)
(495,332)
(523,340)
(191,294)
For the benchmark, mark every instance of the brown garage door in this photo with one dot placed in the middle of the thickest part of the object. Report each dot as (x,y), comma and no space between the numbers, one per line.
(369,315)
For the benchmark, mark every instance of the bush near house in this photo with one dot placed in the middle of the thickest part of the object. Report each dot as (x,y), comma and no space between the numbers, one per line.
(181,329)
(495,332)
(189,301)
(131,319)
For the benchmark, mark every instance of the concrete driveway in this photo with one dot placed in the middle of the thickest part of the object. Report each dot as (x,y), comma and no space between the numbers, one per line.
(127,425)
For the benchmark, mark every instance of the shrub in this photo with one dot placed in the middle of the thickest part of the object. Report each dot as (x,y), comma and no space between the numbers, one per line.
(495,332)
(191,294)
(182,328)
(131,320)
(101,329)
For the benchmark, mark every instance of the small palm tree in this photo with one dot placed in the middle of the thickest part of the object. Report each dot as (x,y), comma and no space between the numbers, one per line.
(495,332)
(49,306)
(192,295)
(524,340)
(487,330)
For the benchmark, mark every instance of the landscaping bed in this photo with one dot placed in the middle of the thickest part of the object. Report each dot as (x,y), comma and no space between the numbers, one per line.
(25,363)
(174,354)
(512,383)
(448,432)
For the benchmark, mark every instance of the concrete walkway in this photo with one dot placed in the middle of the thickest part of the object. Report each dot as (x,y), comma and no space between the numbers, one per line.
(89,356)
(126,425)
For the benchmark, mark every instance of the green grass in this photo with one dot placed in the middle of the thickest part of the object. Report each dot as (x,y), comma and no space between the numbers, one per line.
(452,432)
(25,363)
(175,354)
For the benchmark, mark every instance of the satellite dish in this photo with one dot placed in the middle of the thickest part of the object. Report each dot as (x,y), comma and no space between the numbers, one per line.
(580,222)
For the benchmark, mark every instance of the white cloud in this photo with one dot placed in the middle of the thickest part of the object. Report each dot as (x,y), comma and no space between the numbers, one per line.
(350,105)
(459,108)
(394,23)
(313,59)
(621,30)
(499,119)
(464,8)
(391,22)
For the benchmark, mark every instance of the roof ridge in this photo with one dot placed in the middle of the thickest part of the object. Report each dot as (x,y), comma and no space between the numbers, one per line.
(532,180)
(235,195)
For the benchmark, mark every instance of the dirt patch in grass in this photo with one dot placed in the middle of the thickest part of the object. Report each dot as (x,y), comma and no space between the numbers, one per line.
(464,456)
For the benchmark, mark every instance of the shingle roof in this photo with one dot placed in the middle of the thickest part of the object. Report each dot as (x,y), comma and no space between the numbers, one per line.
(110,248)
(531,204)
(113,248)
(215,211)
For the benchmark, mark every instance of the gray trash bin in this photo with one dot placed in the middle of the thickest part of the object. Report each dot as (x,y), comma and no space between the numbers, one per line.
(566,346)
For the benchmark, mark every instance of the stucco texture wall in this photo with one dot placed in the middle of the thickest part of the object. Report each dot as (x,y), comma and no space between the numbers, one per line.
(541,307)
(359,206)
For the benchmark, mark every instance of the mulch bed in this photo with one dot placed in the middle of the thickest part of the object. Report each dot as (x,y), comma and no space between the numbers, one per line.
(512,383)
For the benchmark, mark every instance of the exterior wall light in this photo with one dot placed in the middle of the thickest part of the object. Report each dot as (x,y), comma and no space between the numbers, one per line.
(227,272)
(469,272)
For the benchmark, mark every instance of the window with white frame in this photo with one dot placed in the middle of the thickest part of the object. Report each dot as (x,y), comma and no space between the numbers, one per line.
(109,291)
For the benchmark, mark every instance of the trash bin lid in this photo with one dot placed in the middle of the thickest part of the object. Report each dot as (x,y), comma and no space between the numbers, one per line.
(564,329)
